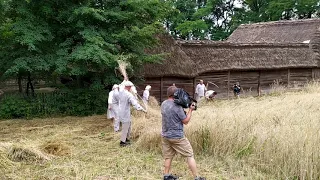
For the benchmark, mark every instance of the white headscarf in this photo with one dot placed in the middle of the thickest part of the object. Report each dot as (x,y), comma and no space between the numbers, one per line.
(115,86)
(148,87)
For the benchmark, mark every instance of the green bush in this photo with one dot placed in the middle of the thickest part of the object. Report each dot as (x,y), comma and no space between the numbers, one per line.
(63,103)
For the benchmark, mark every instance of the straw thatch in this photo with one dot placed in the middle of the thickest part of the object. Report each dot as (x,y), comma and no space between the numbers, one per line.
(269,45)
(227,56)
(175,63)
(296,31)
(316,45)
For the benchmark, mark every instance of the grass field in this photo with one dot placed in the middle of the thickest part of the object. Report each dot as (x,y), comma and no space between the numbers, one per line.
(271,137)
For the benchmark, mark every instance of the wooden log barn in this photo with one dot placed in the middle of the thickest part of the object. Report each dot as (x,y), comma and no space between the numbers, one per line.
(258,56)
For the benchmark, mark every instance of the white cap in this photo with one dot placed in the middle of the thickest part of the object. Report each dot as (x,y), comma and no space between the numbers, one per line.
(115,86)
(134,90)
(127,83)
(148,87)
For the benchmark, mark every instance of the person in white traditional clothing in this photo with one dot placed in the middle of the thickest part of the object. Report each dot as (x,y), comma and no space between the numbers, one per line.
(113,107)
(200,90)
(210,94)
(126,99)
(146,94)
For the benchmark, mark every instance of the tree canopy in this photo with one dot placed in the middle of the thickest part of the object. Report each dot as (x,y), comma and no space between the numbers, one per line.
(83,39)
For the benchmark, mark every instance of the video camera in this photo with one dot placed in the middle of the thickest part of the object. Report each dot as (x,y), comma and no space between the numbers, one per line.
(182,98)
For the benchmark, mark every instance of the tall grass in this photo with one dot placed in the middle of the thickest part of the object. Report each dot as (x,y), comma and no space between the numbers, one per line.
(279,135)
(271,137)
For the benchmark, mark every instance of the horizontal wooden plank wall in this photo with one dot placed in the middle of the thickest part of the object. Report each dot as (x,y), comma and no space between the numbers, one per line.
(272,79)
(316,73)
(185,83)
(218,78)
(249,81)
(299,77)
(159,86)
(155,87)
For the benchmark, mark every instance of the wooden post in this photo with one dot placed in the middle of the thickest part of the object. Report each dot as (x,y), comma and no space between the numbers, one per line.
(313,75)
(228,84)
(288,77)
(194,88)
(161,88)
(259,83)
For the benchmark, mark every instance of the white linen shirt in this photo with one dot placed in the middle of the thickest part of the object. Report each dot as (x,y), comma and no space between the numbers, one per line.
(200,89)
(146,94)
(125,98)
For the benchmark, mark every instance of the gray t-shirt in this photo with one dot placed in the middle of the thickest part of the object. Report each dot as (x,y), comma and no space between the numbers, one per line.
(172,116)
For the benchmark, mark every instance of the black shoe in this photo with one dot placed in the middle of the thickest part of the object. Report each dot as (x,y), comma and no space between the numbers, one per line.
(200,178)
(128,141)
(170,177)
(123,144)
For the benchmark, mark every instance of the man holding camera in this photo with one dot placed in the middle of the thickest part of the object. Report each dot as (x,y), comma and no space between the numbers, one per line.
(173,139)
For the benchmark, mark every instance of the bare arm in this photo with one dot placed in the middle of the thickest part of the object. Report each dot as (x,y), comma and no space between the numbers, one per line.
(187,119)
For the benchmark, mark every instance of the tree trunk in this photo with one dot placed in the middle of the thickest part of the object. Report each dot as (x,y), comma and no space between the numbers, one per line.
(29,84)
(20,82)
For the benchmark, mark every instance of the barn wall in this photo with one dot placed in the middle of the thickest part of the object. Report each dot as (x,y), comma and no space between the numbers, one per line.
(185,83)
(218,78)
(155,84)
(252,82)
(316,73)
(248,81)
(160,85)
(299,77)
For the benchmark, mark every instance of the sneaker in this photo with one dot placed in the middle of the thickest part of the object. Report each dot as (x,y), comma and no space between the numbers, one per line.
(128,141)
(200,178)
(123,144)
(170,177)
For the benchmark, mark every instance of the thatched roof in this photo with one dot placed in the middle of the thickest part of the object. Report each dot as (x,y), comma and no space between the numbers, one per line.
(175,63)
(216,56)
(316,45)
(296,31)
(270,45)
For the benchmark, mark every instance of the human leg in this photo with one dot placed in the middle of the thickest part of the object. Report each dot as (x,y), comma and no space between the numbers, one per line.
(116,124)
(124,132)
(183,147)
(167,166)
(192,166)
(168,153)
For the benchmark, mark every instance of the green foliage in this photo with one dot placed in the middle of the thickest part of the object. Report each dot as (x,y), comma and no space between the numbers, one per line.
(66,103)
(77,38)
(273,10)
(216,19)
(207,19)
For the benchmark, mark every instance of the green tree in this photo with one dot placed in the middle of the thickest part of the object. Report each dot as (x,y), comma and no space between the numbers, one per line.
(82,39)
(202,19)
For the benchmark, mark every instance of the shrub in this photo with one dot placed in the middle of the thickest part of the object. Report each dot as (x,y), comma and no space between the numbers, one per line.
(63,103)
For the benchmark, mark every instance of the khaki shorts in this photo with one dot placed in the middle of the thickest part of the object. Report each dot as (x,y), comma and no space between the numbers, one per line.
(172,146)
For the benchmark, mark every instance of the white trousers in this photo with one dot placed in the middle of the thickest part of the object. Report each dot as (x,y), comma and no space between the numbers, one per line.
(126,130)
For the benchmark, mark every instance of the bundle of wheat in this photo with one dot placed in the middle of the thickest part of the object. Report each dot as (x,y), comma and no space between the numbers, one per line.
(24,154)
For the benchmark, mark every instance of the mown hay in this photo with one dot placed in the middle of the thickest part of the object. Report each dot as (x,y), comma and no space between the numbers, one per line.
(5,163)
(153,102)
(57,148)
(25,154)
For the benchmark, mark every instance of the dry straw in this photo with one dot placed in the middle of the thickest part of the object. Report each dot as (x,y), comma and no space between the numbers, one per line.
(278,135)
(56,147)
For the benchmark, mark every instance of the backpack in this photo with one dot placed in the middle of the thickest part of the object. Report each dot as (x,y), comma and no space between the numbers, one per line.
(182,98)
